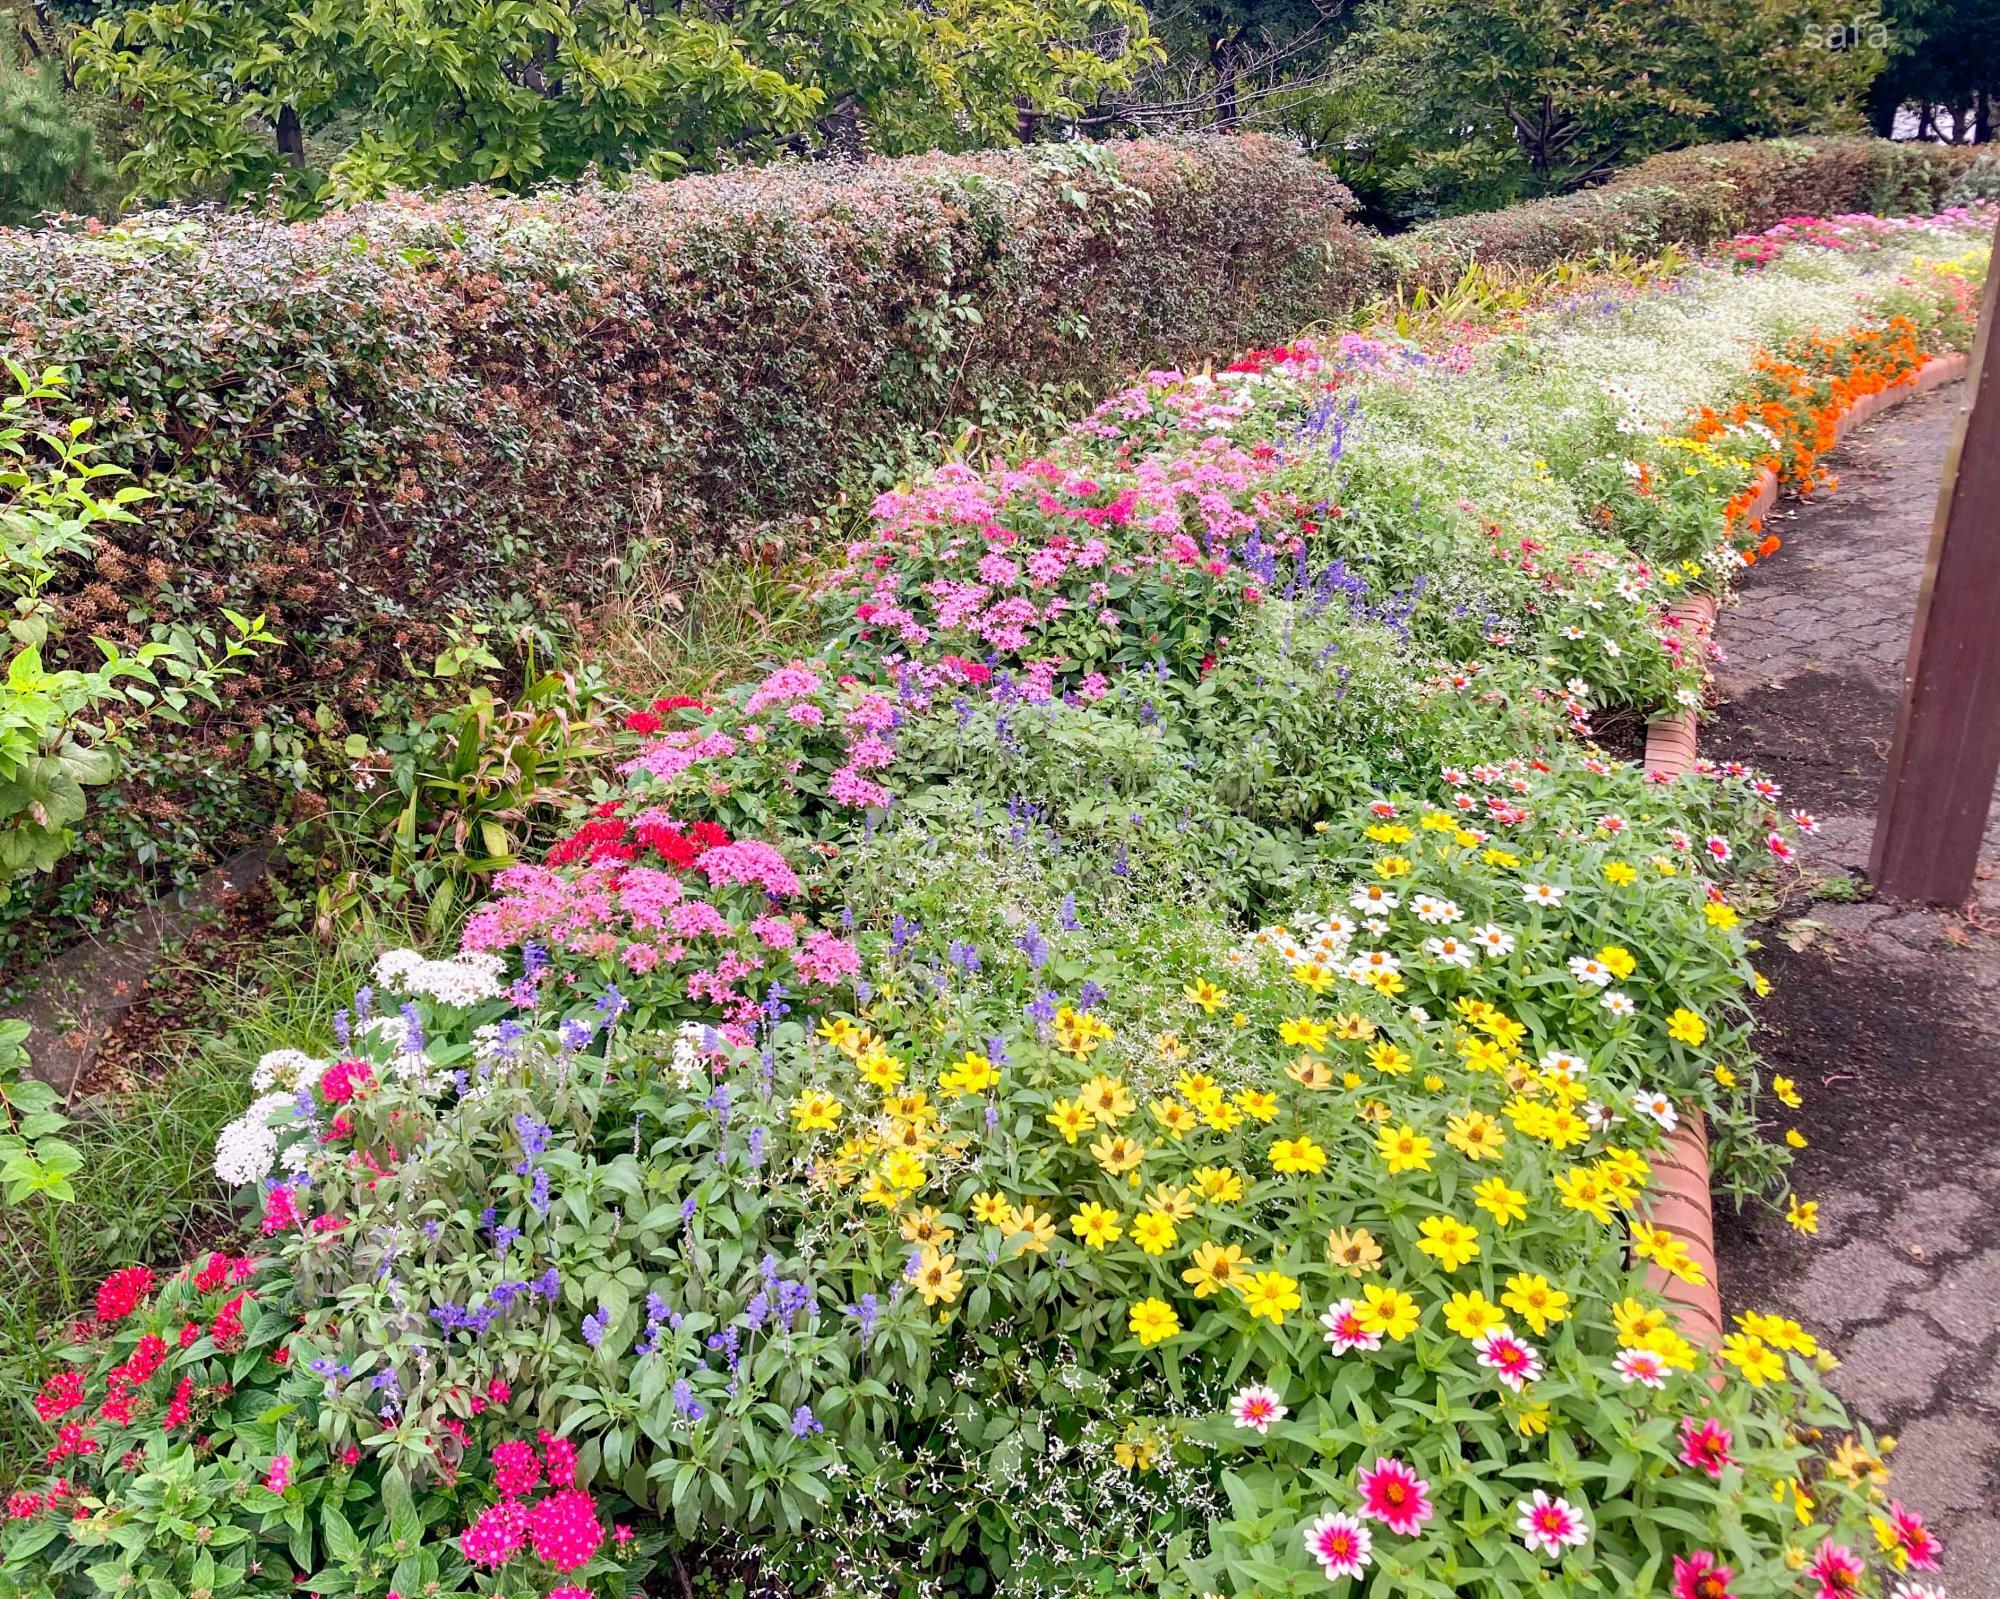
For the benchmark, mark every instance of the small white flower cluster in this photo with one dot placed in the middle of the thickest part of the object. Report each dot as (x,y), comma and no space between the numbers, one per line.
(1324,943)
(694,1048)
(247,1149)
(459,980)
(287,1069)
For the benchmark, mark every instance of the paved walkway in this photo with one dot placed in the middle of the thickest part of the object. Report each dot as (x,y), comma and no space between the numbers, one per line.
(1888,1017)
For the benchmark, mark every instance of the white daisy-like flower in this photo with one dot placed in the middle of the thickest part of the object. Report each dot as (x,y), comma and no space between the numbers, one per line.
(1617,1002)
(1656,1105)
(1562,1065)
(1432,911)
(1541,894)
(1549,1526)
(1372,899)
(1372,962)
(1600,1118)
(1493,940)
(1451,951)
(1589,971)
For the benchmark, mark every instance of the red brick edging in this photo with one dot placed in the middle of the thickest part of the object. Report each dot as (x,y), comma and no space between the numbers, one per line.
(1681,1200)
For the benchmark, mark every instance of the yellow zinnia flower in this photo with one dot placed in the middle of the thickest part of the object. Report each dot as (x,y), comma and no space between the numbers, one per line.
(1097,1225)
(1448,1241)
(815,1110)
(1403,1149)
(1299,1154)
(1387,1311)
(937,1276)
(1153,1321)
(1269,1294)
(1536,1300)
(1216,1266)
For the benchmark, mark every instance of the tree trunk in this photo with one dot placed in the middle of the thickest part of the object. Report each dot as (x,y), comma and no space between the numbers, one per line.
(291,136)
(1222,58)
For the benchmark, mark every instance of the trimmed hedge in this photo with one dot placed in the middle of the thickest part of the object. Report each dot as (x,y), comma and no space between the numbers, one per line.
(1694,198)
(394,406)
(373,424)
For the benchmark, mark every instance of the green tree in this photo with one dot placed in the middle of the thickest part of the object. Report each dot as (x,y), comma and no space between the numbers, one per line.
(1232,63)
(336,98)
(1943,68)
(48,153)
(1450,107)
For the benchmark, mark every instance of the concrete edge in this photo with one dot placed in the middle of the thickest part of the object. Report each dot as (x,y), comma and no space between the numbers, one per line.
(1682,1201)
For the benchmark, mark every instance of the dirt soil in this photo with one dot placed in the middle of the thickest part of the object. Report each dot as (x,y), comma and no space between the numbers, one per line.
(1887,1016)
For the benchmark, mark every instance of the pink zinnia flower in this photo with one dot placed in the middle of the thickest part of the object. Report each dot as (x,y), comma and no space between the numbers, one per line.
(1918,1545)
(1256,1407)
(1344,1330)
(1838,1569)
(1705,1445)
(1396,1496)
(1549,1526)
(1700,1577)
(1642,1366)
(1515,1361)
(1341,1545)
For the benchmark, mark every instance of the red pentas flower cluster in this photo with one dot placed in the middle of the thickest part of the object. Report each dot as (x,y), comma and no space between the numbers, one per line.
(647,722)
(123,1292)
(561,1528)
(138,1337)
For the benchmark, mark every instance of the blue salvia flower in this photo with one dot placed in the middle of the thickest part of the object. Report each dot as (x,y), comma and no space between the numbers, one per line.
(413,1030)
(804,1422)
(685,1403)
(343,1034)
(595,1326)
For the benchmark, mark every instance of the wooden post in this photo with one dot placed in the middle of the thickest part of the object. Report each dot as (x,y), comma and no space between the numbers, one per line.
(1939,785)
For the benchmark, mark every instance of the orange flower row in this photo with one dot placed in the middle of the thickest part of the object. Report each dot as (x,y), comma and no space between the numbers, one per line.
(1799,394)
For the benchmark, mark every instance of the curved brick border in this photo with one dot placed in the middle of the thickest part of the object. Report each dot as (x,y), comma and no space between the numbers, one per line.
(1682,1202)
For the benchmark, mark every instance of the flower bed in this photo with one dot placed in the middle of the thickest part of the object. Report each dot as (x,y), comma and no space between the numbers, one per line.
(1137,1067)
(386,429)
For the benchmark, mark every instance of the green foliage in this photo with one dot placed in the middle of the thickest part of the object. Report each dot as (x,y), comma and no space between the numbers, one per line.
(349,100)
(1460,108)
(434,809)
(60,730)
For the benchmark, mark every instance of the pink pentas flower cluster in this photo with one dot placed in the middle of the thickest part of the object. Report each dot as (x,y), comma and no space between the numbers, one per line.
(561,1529)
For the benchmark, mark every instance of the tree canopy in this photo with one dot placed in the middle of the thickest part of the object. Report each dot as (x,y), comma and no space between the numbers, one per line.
(341,98)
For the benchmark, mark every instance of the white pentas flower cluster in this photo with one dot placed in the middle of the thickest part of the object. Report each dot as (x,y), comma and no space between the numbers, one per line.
(459,980)
(247,1149)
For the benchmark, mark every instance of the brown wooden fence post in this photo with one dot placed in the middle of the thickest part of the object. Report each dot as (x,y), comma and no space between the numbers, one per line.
(1939,785)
